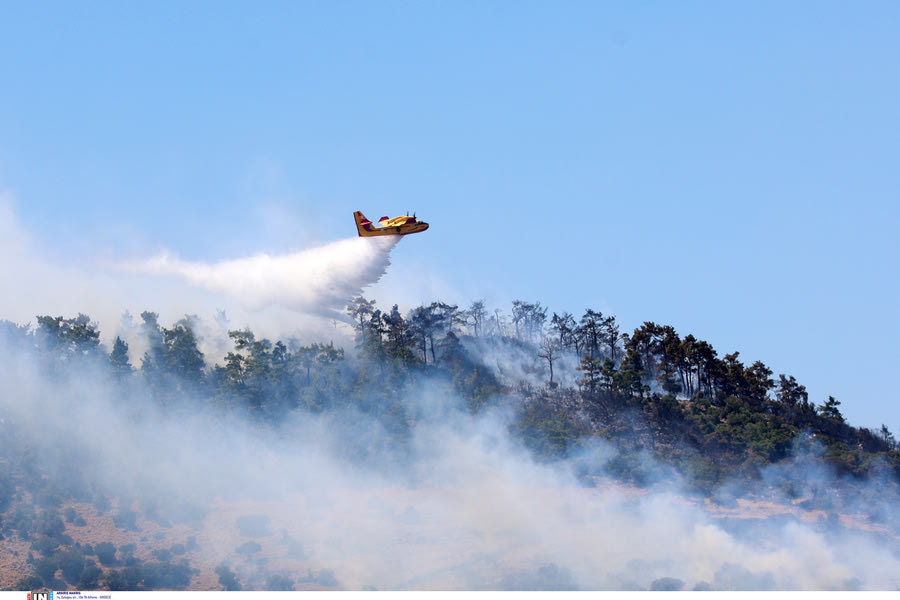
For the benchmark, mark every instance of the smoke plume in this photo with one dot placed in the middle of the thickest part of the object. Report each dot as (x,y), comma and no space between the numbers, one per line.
(336,500)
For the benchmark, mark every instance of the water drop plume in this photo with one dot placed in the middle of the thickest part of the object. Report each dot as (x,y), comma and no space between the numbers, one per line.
(317,280)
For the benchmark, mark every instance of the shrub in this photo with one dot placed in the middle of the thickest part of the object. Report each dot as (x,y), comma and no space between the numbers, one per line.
(51,525)
(248,548)
(71,562)
(166,575)
(279,583)
(126,519)
(162,555)
(123,579)
(21,520)
(46,545)
(667,584)
(126,553)
(106,553)
(228,579)
(45,568)
(32,582)
(115,581)
(90,577)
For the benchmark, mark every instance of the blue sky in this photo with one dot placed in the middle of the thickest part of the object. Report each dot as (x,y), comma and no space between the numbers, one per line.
(726,168)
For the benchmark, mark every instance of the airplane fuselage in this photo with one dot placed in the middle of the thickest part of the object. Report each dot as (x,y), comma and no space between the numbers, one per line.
(404,225)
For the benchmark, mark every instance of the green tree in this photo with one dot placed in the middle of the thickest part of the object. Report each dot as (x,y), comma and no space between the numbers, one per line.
(399,339)
(448,316)
(887,437)
(118,361)
(564,328)
(660,348)
(730,379)
(702,360)
(631,374)
(371,342)
(609,333)
(248,373)
(793,397)
(305,356)
(423,324)
(830,410)
(590,329)
(592,368)
(65,341)
(173,366)
(153,363)
(758,379)
(361,311)
(671,360)
(183,357)
(325,384)
(154,357)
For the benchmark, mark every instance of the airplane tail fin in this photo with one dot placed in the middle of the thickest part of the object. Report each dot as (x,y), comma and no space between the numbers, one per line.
(361,222)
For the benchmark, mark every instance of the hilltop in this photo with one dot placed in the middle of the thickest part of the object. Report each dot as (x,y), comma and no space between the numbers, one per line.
(291,466)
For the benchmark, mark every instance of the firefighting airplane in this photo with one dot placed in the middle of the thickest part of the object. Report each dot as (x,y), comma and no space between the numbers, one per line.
(396,226)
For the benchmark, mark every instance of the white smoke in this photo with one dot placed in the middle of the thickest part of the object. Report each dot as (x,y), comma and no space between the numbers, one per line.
(467,509)
(314,281)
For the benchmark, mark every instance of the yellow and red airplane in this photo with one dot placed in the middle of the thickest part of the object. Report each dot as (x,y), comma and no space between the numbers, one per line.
(396,226)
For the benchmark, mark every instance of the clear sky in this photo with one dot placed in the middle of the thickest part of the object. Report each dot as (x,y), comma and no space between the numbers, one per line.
(727,168)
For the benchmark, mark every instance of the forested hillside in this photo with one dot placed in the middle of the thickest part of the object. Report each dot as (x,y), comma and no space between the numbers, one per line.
(668,406)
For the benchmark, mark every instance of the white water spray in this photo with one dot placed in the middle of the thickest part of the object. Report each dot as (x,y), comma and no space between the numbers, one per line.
(315,281)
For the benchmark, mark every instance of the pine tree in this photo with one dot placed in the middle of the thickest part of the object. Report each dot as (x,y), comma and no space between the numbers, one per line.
(118,360)
(829,410)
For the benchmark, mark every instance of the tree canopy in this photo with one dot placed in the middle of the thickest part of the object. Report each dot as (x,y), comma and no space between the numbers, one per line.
(554,373)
